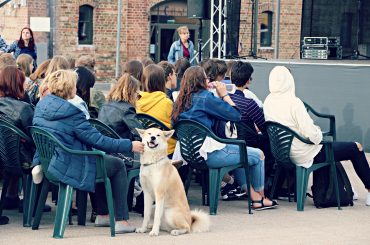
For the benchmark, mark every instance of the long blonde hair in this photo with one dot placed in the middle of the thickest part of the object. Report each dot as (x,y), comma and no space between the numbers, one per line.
(126,90)
(58,62)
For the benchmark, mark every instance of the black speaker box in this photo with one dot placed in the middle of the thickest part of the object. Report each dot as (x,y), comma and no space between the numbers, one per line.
(233,24)
(199,9)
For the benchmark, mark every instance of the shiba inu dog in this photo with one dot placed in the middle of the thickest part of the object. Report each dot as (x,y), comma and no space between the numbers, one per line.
(161,184)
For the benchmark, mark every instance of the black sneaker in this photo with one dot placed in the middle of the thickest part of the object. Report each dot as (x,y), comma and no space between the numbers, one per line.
(228,187)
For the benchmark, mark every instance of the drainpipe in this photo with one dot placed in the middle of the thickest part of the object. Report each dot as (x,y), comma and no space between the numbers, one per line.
(255,27)
(51,32)
(118,38)
(277,29)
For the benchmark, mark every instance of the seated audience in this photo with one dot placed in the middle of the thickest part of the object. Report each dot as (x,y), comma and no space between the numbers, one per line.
(282,106)
(154,101)
(180,67)
(19,113)
(135,69)
(58,62)
(171,79)
(35,81)
(69,125)
(119,111)
(252,114)
(194,103)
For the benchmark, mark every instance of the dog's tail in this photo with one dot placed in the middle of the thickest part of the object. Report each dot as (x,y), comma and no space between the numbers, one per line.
(200,221)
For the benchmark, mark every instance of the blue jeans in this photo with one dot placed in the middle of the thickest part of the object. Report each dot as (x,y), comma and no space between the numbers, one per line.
(230,155)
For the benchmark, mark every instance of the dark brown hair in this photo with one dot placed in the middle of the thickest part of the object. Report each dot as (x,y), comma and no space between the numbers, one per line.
(153,79)
(11,82)
(31,43)
(147,61)
(193,81)
(134,68)
(167,67)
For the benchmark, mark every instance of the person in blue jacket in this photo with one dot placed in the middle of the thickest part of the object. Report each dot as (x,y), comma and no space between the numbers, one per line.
(69,124)
(182,47)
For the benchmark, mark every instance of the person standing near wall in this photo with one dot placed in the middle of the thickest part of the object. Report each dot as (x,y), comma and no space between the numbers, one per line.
(25,45)
(182,47)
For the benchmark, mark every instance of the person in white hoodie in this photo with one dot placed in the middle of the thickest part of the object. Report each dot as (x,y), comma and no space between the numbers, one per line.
(282,106)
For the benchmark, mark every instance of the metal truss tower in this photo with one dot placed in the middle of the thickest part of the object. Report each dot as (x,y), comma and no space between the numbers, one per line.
(217,34)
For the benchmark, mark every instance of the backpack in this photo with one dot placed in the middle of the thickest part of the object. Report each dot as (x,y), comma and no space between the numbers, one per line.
(323,190)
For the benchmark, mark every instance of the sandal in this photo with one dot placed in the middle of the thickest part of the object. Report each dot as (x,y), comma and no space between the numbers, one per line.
(263,206)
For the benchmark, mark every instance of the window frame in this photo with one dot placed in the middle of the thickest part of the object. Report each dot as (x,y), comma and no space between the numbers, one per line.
(266,33)
(86,25)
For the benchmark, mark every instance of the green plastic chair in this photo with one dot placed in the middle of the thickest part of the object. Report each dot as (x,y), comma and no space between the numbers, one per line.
(133,170)
(191,136)
(45,145)
(10,140)
(148,121)
(332,130)
(281,138)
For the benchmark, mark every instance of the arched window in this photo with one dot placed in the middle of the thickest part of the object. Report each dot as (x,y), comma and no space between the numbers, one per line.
(85,25)
(266,29)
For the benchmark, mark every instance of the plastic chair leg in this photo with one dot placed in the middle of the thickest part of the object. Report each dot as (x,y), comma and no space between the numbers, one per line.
(63,208)
(276,178)
(300,185)
(82,207)
(131,175)
(334,177)
(205,188)
(188,180)
(3,194)
(108,192)
(29,207)
(41,204)
(214,189)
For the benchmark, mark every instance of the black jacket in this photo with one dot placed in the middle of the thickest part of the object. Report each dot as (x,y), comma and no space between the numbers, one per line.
(121,116)
(20,114)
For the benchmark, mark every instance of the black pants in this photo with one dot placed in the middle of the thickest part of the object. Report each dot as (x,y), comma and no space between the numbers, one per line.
(116,171)
(348,151)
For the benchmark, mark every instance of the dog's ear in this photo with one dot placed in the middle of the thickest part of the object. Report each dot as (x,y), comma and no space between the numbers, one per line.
(168,134)
(140,131)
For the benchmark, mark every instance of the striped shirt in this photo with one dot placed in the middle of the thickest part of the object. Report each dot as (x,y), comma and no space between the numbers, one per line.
(249,109)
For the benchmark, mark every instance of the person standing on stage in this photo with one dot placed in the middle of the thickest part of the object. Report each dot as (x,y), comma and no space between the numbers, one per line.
(182,47)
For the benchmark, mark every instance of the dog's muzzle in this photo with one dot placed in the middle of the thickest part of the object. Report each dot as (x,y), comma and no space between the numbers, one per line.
(152,144)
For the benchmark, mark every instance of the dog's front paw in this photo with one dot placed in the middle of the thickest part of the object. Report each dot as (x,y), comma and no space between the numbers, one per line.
(141,230)
(154,233)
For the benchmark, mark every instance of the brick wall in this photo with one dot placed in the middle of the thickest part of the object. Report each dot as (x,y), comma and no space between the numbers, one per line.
(290,28)
(135,29)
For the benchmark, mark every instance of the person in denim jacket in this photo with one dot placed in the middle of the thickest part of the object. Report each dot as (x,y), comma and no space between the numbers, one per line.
(182,47)
(195,102)
(25,45)
(3,45)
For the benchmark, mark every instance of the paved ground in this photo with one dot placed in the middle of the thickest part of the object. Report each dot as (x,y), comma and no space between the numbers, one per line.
(232,225)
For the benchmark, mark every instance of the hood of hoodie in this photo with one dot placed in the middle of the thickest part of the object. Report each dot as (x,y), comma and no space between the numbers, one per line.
(54,108)
(281,81)
(149,100)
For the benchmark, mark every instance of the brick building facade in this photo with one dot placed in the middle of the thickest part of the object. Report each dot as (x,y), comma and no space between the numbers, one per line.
(137,28)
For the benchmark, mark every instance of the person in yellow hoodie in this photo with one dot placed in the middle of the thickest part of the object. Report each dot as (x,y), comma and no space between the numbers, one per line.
(154,100)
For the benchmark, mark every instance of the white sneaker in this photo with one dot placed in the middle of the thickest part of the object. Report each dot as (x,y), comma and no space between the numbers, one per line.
(355,195)
(102,221)
(368,199)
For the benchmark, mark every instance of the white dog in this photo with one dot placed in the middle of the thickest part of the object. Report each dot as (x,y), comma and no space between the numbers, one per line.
(161,183)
